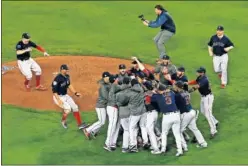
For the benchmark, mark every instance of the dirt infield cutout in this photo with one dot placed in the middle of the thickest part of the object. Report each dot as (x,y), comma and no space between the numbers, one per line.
(85,71)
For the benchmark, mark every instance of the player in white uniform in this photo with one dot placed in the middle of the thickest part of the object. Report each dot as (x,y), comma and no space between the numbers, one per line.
(165,99)
(188,115)
(60,85)
(26,64)
(218,47)
(207,98)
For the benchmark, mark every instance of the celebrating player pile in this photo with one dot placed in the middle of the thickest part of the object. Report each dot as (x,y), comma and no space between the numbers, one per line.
(136,99)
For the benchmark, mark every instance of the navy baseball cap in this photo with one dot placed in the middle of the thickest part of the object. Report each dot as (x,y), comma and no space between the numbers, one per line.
(179,84)
(64,67)
(26,36)
(201,70)
(220,28)
(166,57)
(141,75)
(105,74)
(148,85)
(134,82)
(134,62)
(122,66)
(112,78)
(161,87)
(181,69)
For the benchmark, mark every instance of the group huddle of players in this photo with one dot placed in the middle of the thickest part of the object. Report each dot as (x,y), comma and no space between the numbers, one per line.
(135,98)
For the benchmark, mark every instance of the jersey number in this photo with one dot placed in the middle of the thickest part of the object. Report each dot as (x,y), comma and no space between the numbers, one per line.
(168,100)
(187,98)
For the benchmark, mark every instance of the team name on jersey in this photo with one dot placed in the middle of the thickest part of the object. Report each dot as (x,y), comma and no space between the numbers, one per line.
(218,44)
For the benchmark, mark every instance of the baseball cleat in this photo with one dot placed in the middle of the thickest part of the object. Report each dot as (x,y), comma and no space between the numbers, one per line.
(156,152)
(113,147)
(64,124)
(133,149)
(212,136)
(146,146)
(83,126)
(203,145)
(40,88)
(179,154)
(125,150)
(185,149)
(107,148)
(163,150)
(87,135)
(222,86)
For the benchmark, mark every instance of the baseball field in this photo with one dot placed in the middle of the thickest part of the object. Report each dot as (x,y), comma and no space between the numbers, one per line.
(89,37)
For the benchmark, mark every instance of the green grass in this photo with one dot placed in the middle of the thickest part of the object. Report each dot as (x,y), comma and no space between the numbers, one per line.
(113,29)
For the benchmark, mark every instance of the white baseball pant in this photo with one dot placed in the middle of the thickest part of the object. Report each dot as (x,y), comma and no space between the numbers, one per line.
(112,113)
(125,126)
(220,66)
(188,119)
(171,120)
(95,127)
(27,66)
(206,110)
(133,129)
(68,103)
(116,132)
(152,117)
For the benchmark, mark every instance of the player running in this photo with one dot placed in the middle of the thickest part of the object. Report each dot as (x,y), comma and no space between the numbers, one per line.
(218,47)
(60,85)
(26,64)
(207,98)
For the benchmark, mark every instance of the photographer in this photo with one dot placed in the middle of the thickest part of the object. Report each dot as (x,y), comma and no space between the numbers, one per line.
(168,28)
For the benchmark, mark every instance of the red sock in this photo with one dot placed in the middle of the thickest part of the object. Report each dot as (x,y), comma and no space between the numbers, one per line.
(64,116)
(37,80)
(26,82)
(77,117)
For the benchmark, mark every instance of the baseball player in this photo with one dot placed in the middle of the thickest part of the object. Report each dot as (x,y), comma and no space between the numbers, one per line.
(138,115)
(218,47)
(60,85)
(188,115)
(122,73)
(152,116)
(207,98)
(112,112)
(122,100)
(165,99)
(26,64)
(166,70)
(101,105)
(168,28)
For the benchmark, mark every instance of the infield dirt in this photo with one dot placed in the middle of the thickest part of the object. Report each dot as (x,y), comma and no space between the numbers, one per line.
(85,71)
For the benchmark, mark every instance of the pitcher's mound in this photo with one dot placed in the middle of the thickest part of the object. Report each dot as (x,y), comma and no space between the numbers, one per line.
(85,71)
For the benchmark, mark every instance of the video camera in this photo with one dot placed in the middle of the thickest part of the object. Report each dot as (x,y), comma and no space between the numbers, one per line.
(141,17)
